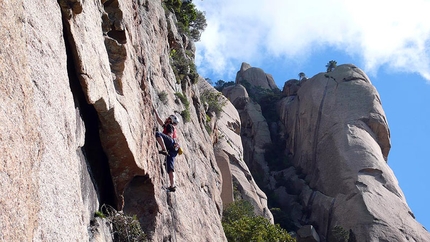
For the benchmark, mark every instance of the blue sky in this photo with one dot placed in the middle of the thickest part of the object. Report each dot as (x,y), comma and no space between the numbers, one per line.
(389,40)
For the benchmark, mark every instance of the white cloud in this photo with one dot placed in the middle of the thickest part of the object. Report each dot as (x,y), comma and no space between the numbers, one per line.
(394,34)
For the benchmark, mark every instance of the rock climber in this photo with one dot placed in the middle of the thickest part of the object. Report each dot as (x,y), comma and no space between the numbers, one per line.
(172,119)
(171,147)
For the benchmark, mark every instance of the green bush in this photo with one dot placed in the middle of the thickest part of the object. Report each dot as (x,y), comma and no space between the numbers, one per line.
(183,99)
(193,75)
(242,225)
(124,227)
(183,66)
(179,64)
(191,21)
(185,113)
(220,84)
(236,210)
(163,97)
(339,234)
(216,101)
(208,128)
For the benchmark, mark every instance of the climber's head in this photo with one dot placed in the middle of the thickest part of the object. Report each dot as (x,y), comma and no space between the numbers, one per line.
(173,119)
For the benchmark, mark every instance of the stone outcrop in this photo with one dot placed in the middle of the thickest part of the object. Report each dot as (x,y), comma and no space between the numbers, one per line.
(337,146)
(339,140)
(229,152)
(255,77)
(255,131)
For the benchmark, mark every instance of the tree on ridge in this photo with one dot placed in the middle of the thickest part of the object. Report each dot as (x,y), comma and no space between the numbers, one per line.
(331,65)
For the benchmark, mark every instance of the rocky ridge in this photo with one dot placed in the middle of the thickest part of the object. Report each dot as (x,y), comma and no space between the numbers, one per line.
(335,172)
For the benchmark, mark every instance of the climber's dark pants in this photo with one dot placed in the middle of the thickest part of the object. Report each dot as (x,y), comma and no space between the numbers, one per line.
(169,142)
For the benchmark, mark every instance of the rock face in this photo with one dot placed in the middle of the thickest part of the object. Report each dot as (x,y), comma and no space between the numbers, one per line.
(255,131)
(340,140)
(79,84)
(80,80)
(337,144)
(255,76)
(228,150)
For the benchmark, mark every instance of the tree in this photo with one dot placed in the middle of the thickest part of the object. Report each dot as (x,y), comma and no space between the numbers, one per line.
(209,80)
(191,21)
(302,75)
(242,225)
(219,85)
(331,65)
(197,25)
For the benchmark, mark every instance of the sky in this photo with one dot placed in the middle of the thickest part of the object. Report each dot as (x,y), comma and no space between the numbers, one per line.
(388,39)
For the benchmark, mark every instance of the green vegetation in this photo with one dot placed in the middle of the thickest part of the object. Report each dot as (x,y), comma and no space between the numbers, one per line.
(99,214)
(242,225)
(215,100)
(220,84)
(283,219)
(191,21)
(183,67)
(339,234)
(208,128)
(185,113)
(163,97)
(331,65)
(124,227)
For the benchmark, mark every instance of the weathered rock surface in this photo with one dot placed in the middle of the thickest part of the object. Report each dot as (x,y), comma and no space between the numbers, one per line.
(228,150)
(79,83)
(46,191)
(255,131)
(255,76)
(337,146)
(339,140)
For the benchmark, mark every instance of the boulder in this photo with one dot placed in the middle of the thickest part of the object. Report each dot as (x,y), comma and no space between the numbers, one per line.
(256,77)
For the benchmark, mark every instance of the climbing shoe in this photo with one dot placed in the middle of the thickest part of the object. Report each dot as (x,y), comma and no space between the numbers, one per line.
(163,152)
(171,189)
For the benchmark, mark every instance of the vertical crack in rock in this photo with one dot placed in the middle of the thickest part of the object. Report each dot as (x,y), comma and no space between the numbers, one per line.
(122,162)
(294,137)
(70,7)
(115,40)
(317,125)
(330,217)
(94,157)
(308,209)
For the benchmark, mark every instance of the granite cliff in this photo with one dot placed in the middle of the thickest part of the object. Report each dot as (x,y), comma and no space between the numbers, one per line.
(333,140)
(79,84)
